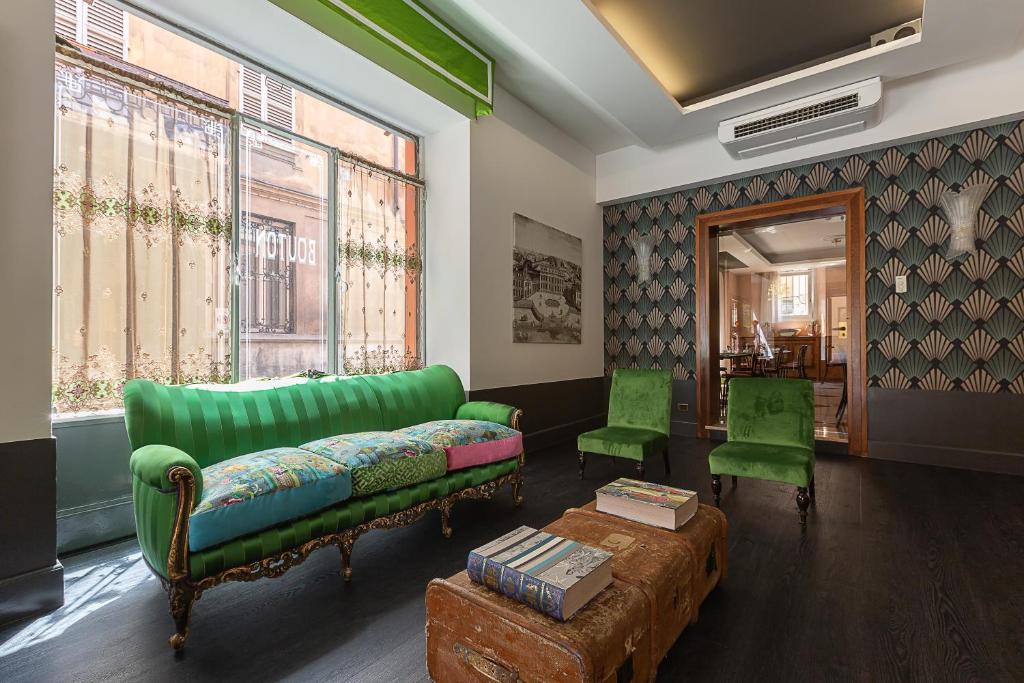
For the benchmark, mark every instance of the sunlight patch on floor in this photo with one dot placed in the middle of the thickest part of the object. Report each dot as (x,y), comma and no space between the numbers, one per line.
(85,591)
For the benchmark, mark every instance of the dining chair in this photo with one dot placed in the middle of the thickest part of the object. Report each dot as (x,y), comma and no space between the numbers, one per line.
(798,364)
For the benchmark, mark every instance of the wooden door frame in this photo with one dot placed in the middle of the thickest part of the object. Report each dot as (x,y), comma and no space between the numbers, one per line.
(849,202)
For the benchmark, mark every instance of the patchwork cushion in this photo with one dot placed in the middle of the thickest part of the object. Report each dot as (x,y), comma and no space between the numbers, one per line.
(382,461)
(251,492)
(467,443)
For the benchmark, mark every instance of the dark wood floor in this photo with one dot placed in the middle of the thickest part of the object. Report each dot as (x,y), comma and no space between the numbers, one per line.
(905,572)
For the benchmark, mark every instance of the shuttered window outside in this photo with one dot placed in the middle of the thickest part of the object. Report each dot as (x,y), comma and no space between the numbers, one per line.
(267,99)
(66,20)
(97,24)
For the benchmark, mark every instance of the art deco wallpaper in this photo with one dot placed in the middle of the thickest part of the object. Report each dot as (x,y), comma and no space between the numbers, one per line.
(957,328)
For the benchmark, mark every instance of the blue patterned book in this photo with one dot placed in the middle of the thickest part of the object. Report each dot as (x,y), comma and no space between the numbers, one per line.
(551,574)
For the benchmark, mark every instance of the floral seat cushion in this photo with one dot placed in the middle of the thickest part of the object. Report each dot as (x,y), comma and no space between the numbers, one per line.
(382,461)
(259,490)
(468,443)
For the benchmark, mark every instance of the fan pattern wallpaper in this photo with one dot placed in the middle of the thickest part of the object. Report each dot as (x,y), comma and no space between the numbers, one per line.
(957,328)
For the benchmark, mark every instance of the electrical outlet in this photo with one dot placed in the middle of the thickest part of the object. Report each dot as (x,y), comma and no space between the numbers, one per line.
(901,284)
(683,407)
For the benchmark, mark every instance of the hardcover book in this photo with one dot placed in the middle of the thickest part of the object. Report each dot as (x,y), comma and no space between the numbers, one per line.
(648,503)
(551,574)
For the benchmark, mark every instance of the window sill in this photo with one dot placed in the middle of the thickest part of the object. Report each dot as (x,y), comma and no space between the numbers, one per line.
(98,417)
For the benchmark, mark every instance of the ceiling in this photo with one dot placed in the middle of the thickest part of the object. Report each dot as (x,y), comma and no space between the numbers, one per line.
(781,247)
(700,48)
(561,59)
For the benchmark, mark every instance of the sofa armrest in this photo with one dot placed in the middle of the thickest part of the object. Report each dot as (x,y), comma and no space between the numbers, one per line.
(152,466)
(166,485)
(491,412)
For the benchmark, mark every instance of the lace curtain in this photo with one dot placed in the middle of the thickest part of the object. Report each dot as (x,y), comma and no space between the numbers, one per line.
(380,268)
(142,239)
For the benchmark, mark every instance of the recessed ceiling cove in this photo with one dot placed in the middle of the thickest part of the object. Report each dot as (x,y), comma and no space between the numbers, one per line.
(698,49)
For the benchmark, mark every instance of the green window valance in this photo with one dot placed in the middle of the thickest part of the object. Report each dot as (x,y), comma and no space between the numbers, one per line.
(411,42)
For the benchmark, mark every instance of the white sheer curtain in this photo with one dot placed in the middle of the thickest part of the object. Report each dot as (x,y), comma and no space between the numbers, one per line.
(380,269)
(142,236)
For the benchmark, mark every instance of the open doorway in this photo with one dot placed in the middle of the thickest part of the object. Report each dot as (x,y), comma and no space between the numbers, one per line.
(779,290)
(783,312)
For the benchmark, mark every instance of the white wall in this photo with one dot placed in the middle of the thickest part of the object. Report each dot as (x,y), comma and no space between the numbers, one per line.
(523,164)
(446,171)
(26,230)
(962,96)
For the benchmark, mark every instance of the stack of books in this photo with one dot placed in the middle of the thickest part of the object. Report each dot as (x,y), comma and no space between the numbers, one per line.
(551,574)
(653,504)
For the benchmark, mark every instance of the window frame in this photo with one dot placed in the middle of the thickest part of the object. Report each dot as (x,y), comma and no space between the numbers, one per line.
(335,155)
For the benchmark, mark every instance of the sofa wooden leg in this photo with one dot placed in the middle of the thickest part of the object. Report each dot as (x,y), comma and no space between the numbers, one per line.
(182,596)
(716,488)
(446,518)
(802,502)
(668,470)
(517,489)
(640,470)
(583,464)
(346,557)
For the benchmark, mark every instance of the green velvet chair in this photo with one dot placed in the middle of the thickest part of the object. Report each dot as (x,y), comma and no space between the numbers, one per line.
(639,411)
(771,436)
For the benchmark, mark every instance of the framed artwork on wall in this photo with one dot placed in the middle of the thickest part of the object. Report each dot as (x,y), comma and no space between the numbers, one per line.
(547,280)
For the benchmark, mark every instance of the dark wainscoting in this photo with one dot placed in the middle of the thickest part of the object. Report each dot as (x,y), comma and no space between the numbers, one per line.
(947,428)
(556,412)
(553,412)
(684,422)
(31,579)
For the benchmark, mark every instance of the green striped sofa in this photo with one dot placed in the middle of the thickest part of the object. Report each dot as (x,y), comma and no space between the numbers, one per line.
(177,432)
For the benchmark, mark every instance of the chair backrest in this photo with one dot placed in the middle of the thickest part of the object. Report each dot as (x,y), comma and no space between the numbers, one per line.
(802,353)
(215,422)
(778,412)
(642,399)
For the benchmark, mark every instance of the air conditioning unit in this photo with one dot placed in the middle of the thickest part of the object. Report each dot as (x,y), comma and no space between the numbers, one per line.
(835,112)
(910,28)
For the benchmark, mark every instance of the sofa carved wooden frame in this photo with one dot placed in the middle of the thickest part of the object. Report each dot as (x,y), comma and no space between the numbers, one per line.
(183,592)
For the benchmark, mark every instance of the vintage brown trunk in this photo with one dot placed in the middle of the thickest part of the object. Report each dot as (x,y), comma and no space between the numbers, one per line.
(475,634)
(661,568)
(704,537)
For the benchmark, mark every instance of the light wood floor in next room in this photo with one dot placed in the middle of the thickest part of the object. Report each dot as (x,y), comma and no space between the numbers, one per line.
(905,573)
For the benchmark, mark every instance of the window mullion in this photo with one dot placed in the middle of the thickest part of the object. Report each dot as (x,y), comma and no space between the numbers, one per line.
(333,274)
(236,241)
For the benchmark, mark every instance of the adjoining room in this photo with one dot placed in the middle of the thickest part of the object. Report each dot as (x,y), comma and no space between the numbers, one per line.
(488,341)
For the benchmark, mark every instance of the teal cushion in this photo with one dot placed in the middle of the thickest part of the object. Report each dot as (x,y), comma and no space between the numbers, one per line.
(382,461)
(260,490)
(622,442)
(790,464)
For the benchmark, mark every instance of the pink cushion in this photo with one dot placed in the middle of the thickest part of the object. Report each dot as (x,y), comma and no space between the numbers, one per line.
(472,454)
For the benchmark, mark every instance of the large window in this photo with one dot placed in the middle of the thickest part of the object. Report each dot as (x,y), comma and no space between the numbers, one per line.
(215,223)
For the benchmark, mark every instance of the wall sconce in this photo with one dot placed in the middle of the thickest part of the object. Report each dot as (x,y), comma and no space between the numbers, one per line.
(643,247)
(962,213)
